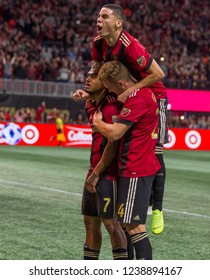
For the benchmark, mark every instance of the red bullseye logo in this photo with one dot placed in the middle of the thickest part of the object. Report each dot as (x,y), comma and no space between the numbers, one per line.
(30,134)
(193,139)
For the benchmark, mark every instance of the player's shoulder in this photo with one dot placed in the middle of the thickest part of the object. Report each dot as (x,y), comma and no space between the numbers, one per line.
(111,98)
(147,95)
(139,94)
(110,101)
(128,40)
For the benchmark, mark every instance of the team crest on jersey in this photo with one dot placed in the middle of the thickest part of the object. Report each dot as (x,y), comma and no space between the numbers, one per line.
(125,112)
(114,119)
(141,61)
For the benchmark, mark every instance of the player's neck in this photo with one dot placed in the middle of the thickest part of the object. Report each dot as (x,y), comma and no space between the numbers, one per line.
(99,96)
(112,38)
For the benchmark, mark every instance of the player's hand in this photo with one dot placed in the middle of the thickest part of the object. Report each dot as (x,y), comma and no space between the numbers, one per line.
(123,96)
(97,116)
(80,95)
(91,182)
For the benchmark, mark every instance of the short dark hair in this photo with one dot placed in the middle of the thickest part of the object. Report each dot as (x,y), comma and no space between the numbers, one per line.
(118,11)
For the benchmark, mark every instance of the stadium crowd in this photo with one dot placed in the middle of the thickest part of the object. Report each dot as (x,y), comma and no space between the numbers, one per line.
(50,40)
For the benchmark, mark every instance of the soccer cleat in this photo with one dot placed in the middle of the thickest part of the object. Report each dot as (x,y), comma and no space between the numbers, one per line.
(157,222)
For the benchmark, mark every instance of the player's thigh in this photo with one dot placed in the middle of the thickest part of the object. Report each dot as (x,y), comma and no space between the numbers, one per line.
(107,198)
(89,203)
(133,199)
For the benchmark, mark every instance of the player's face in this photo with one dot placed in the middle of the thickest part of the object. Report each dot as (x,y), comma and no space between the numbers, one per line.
(115,88)
(93,84)
(106,23)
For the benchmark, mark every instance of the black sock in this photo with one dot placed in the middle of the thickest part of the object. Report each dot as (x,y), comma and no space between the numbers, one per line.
(130,247)
(159,181)
(151,199)
(120,254)
(89,254)
(142,246)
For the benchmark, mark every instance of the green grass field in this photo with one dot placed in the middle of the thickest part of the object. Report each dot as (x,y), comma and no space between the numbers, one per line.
(40,197)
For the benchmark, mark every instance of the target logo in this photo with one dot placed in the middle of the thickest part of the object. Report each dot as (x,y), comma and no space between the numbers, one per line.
(30,134)
(171,140)
(193,139)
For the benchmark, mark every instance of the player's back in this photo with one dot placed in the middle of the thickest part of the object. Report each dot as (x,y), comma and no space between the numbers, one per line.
(137,147)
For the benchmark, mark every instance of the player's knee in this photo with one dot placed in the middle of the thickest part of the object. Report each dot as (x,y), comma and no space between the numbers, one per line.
(110,225)
(92,224)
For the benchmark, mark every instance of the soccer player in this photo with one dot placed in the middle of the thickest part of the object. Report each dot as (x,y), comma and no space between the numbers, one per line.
(136,128)
(114,43)
(99,194)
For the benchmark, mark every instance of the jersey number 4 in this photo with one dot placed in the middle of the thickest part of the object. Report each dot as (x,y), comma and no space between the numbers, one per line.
(121,210)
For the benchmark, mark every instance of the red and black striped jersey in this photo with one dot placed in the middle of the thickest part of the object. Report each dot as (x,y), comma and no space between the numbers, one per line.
(137,147)
(129,51)
(109,106)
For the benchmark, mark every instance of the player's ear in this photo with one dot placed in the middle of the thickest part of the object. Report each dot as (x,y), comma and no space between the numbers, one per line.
(121,83)
(119,23)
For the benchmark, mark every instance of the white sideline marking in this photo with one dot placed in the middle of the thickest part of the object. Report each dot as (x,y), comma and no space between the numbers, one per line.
(40,187)
(186,213)
(79,194)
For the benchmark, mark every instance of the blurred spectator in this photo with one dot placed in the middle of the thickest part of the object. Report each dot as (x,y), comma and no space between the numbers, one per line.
(8,63)
(20,70)
(19,115)
(31,71)
(192,122)
(7,115)
(2,116)
(64,72)
(81,118)
(51,117)
(28,115)
(40,112)
(1,70)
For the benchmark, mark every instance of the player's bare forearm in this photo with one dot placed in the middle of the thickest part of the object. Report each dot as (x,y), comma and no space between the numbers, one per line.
(112,132)
(155,74)
(105,129)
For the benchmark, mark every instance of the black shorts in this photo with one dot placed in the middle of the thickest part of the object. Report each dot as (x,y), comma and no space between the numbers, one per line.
(103,202)
(163,120)
(133,199)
